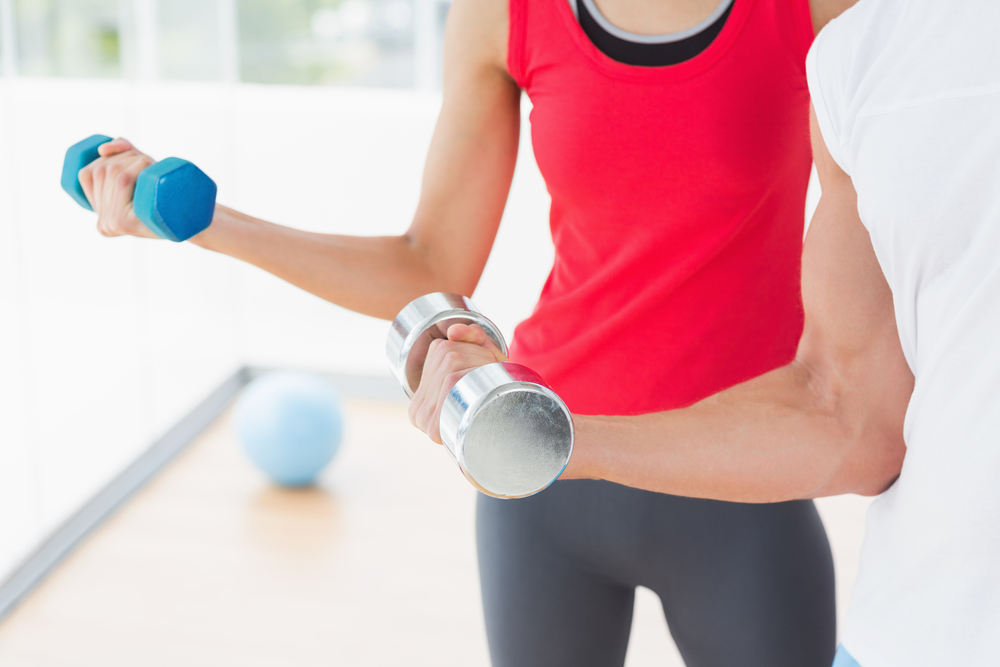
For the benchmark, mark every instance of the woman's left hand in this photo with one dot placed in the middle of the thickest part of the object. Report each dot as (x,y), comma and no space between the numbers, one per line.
(467,347)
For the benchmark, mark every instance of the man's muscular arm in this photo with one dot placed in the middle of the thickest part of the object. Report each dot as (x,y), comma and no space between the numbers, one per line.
(830,422)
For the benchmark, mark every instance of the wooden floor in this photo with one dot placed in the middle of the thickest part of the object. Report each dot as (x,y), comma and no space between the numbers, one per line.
(210,565)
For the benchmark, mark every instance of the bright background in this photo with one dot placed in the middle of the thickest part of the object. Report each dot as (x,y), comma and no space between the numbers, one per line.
(105,344)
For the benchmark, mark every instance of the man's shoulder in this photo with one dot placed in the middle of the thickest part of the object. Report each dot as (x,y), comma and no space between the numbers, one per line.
(847,50)
(868,22)
(839,63)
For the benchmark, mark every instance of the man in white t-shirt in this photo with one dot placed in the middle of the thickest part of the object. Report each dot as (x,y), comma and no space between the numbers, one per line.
(900,356)
(907,95)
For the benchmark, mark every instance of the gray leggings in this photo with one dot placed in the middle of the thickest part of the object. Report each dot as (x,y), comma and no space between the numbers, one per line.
(741,585)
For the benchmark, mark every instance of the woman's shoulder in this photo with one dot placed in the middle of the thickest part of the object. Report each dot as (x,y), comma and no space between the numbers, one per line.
(478,29)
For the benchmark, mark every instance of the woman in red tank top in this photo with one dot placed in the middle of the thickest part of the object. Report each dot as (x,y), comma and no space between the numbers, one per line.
(677,201)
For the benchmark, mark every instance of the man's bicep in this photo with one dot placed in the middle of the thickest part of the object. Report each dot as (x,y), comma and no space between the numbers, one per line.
(844,291)
(850,342)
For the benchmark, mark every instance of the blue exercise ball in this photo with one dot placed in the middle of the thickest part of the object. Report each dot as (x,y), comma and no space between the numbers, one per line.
(290,425)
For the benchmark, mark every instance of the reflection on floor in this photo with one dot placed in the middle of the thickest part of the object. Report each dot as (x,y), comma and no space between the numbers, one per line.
(376,566)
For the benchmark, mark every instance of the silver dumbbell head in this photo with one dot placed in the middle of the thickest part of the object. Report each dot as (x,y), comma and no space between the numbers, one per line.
(422,321)
(510,433)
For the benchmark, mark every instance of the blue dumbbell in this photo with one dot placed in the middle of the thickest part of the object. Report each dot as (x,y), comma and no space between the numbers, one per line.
(174,198)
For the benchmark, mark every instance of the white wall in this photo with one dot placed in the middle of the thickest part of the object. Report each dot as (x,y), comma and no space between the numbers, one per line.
(105,343)
(19,511)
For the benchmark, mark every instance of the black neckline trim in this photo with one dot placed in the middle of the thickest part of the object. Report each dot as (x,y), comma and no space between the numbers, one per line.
(649,55)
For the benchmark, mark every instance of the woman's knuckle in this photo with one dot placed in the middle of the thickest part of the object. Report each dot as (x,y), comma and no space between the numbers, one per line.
(457,362)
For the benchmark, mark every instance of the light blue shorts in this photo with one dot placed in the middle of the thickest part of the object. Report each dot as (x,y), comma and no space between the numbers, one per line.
(844,659)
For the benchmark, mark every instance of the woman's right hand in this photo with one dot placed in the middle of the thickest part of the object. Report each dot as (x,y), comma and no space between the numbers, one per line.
(109,182)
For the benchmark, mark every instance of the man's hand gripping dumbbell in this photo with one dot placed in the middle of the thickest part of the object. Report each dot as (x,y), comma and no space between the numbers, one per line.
(510,434)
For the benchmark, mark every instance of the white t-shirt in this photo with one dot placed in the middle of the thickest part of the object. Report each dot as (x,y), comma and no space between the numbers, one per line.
(907,93)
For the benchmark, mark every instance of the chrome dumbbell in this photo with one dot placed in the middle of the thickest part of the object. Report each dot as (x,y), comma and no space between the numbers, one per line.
(510,434)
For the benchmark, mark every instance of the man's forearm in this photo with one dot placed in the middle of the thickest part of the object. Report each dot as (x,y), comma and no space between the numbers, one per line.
(778,437)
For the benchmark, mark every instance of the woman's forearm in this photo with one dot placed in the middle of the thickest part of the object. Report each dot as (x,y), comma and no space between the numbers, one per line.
(373,275)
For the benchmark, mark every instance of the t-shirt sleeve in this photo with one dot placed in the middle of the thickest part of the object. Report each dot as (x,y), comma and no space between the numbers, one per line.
(827,90)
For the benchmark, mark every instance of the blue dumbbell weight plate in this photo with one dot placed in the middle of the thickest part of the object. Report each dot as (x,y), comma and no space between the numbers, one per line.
(175,199)
(79,156)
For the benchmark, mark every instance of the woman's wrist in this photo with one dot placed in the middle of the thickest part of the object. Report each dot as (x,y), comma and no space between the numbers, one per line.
(225,225)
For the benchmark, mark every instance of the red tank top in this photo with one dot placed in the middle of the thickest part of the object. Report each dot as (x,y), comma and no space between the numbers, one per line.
(678,199)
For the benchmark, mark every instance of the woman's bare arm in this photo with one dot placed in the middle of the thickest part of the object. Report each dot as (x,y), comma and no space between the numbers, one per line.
(466,180)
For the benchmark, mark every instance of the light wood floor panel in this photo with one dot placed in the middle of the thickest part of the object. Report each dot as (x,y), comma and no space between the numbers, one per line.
(212,566)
